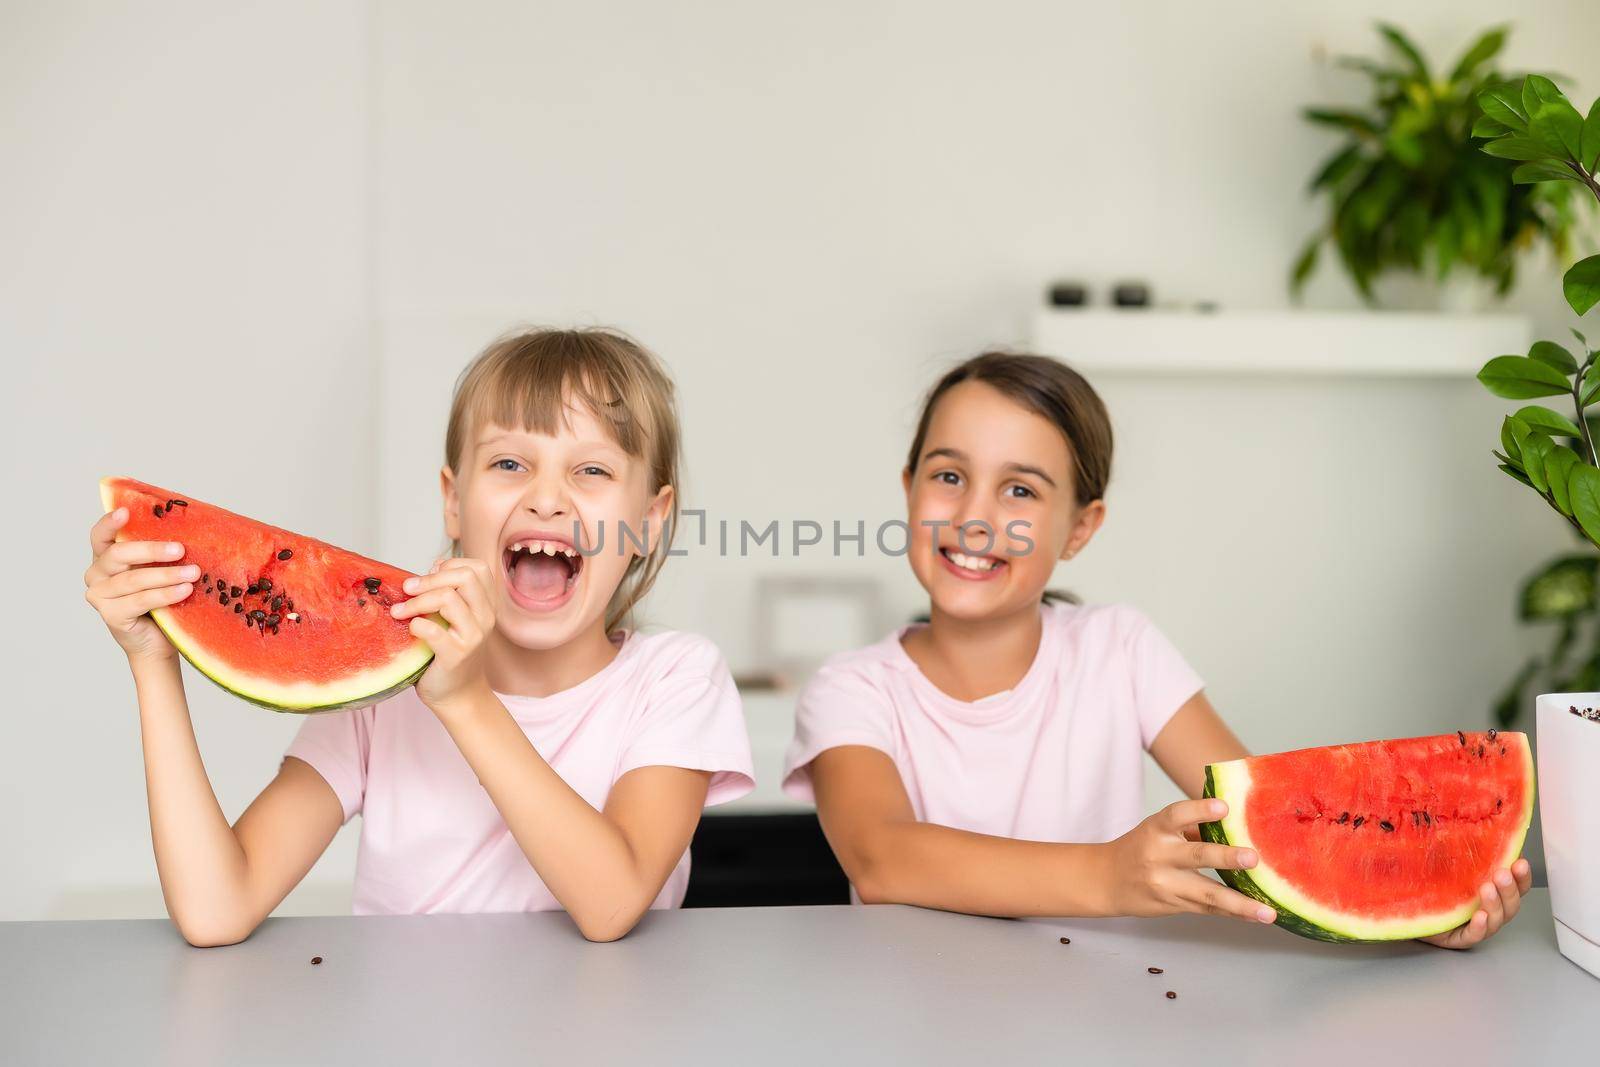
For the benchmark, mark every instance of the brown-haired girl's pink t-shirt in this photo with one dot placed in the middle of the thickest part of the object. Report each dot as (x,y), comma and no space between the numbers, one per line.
(1060,757)
(433,841)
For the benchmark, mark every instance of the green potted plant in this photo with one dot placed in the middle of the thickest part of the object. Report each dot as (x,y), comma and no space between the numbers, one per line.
(1408,189)
(1552,143)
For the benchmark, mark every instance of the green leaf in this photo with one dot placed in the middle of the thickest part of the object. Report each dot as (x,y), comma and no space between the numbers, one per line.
(1581,284)
(1546,421)
(1486,126)
(1512,431)
(1518,475)
(1518,147)
(1336,167)
(1551,117)
(1589,139)
(1483,49)
(1404,46)
(1583,486)
(1536,448)
(1345,120)
(1503,103)
(1553,354)
(1543,170)
(1521,378)
(1565,587)
(1590,387)
(1558,472)
(1582,340)
(1304,264)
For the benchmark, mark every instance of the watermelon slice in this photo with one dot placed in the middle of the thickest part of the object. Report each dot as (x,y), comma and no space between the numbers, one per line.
(1378,841)
(284,621)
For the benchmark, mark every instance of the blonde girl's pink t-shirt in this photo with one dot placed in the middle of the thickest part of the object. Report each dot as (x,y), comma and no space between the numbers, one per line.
(431,839)
(1060,757)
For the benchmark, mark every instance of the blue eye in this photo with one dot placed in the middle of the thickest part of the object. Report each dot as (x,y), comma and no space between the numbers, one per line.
(497,465)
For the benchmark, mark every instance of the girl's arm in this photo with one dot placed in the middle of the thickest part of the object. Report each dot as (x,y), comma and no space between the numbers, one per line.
(605,867)
(1192,738)
(218,881)
(891,857)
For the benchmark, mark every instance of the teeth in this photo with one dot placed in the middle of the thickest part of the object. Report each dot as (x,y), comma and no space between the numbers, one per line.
(970,563)
(548,548)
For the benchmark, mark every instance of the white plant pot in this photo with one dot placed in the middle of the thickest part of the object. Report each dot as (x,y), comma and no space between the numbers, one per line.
(1568,752)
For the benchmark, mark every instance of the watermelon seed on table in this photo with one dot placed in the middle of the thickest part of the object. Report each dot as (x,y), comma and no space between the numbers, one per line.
(1171,995)
(1155,970)
(1066,940)
(315,960)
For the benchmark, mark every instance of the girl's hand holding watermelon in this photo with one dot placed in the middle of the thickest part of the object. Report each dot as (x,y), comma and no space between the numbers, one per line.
(1155,867)
(124,592)
(457,590)
(1501,900)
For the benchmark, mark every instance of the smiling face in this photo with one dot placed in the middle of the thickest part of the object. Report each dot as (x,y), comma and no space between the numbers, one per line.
(531,504)
(989,464)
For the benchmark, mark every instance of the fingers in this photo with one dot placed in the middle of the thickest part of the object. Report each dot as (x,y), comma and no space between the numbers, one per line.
(1510,896)
(104,532)
(1192,812)
(1489,900)
(142,579)
(1220,857)
(1214,898)
(122,555)
(137,604)
(1522,870)
(458,581)
(431,633)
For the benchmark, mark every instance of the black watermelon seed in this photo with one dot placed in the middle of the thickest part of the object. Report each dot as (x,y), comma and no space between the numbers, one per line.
(1427,818)
(1171,995)
(222,598)
(1066,940)
(1344,817)
(206,578)
(286,553)
(258,615)
(249,621)
(1492,733)
(1359,820)
(234,591)
(265,584)
(177,503)
(1155,970)
(252,589)
(274,619)
(159,511)
(1502,750)
(274,627)
(1463,738)
(361,602)
(237,608)
(1496,803)
(277,603)
(371,584)
(1480,751)
(1388,827)
(315,960)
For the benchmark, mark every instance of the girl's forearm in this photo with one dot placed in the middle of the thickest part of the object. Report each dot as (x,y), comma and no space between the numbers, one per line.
(932,866)
(201,866)
(582,856)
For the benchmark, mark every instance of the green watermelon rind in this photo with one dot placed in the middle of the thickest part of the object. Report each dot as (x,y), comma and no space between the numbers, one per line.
(252,696)
(1261,884)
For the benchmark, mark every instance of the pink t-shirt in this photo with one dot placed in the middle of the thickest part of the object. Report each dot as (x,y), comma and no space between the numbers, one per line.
(431,839)
(1058,758)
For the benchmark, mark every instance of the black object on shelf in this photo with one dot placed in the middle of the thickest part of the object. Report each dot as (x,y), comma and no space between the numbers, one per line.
(1068,295)
(740,861)
(1131,295)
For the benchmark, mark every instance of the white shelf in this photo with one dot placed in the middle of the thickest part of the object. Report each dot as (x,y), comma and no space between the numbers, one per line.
(1359,343)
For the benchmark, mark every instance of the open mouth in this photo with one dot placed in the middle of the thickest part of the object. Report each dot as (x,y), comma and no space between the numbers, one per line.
(972,567)
(541,573)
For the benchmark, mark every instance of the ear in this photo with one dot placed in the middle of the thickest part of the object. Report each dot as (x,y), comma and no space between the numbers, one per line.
(452,503)
(905,485)
(1084,526)
(657,513)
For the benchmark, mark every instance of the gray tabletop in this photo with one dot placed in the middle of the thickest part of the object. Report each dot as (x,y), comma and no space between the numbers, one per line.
(782,985)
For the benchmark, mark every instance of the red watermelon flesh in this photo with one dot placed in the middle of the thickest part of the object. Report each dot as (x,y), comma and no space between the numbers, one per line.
(1381,840)
(283,620)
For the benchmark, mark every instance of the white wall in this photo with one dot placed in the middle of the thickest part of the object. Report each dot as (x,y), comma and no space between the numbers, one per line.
(808,211)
